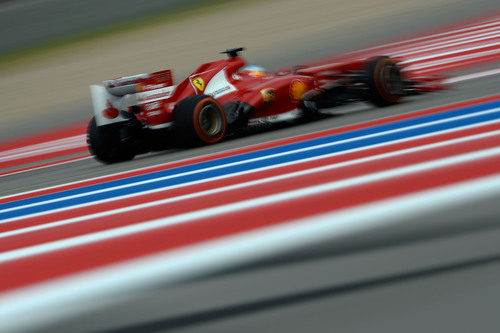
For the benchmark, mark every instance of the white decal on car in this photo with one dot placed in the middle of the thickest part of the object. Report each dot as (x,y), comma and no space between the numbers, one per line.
(219,85)
(153,95)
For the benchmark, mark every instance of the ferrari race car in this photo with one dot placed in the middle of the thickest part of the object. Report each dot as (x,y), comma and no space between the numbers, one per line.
(145,112)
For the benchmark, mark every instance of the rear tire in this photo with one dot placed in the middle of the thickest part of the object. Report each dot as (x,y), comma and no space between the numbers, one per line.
(199,119)
(105,144)
(385,81)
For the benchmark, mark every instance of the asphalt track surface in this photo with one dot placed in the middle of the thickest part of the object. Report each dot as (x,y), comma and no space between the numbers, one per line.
(444,280)
(346,115)
(421,280)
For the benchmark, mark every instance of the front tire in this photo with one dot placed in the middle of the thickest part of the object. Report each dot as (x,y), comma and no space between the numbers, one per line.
(385,82)
(199,119)
(104,142)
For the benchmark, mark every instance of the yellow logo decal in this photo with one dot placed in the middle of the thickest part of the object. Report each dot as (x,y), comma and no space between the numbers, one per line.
(199,83)
(298,89)
(268,95)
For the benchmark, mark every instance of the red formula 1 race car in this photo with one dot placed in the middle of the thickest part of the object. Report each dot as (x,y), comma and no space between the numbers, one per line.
(146,112)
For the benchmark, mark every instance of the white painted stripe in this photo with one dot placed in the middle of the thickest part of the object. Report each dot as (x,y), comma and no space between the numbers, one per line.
(450,61)
(41,145)
(472,76)
(418,47)
(128,172)
(234,174)
(239,206)
(34,147)
(144,168)
(424,47)
(35,150)
(69,296)
(454,32)
(454,42)
(245,172)
(436,42)
(435,55)
(244,184)
(469,115)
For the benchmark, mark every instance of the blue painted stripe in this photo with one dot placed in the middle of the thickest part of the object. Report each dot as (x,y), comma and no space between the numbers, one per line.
(251,165)
(255,154)
(260,153)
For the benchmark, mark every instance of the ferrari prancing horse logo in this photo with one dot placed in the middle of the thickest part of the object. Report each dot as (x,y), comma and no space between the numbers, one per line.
(199,83)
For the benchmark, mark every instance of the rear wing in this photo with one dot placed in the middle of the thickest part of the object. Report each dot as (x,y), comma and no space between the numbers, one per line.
(140,82)
(119,94)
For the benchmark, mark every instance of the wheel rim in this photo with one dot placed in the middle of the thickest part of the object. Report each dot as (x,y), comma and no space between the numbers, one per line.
(210,119)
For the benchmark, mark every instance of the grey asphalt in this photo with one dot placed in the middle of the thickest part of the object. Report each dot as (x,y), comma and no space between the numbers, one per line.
(435,280)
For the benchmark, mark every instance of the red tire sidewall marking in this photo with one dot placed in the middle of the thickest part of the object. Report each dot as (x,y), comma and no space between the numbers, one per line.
(196,121)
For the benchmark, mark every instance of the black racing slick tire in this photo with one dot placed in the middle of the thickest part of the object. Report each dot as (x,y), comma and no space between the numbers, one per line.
(105,144)
(199,119)
(385,82)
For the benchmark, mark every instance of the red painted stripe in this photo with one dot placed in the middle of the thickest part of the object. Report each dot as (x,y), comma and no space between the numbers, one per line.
(94,255)
(65,262)
(462,64)
(455,43)
(408,43)
(63,132)
(439,56)
(249,148)
(38,158)
(44,165)
(237,195)
(419,47)
(145,198)
(439,50)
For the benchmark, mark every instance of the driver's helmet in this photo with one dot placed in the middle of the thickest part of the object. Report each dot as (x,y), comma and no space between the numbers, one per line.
(255,71)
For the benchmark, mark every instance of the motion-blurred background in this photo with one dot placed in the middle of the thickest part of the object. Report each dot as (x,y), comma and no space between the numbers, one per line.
(52,50)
